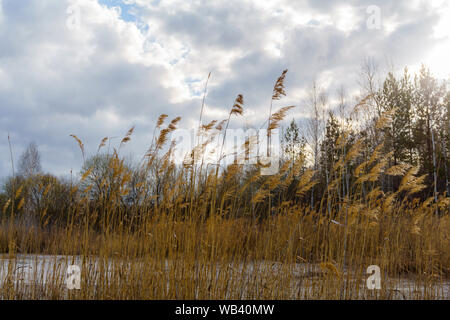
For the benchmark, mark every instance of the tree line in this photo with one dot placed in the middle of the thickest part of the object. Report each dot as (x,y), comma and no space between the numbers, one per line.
(414,111)
(394,141)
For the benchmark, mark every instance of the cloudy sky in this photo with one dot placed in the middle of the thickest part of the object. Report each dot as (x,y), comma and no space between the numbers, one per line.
(95,68)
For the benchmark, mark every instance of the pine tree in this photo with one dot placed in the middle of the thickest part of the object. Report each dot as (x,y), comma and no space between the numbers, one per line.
(294,144)
(429,108)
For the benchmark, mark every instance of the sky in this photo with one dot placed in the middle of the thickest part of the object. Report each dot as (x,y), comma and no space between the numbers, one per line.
(95,68)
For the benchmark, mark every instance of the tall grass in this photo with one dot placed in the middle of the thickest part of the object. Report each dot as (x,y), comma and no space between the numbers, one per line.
(228,232)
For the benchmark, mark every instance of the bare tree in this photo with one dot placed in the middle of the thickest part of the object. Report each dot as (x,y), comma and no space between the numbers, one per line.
(30,161)
(316,104)
(369,83)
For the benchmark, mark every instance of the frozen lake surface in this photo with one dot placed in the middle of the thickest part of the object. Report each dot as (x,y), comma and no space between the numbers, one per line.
(31,274)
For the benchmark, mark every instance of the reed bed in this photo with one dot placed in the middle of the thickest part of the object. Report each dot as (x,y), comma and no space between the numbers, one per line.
(226,231)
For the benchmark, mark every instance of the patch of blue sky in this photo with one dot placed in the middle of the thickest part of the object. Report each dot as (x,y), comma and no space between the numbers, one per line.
(128,11)
(192,83)
(180,58)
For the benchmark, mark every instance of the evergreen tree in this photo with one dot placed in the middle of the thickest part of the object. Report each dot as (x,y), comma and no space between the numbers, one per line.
(429,107)
(294,144)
